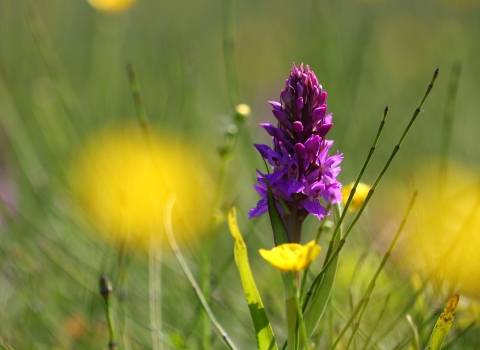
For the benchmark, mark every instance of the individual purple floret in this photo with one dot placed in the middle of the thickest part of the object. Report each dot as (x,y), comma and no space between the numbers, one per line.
(304,173)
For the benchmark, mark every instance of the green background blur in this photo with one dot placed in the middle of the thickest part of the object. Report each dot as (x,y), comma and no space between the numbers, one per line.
(366,54)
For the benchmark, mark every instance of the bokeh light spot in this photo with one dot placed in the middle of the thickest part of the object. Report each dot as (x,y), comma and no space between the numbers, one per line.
(123,181)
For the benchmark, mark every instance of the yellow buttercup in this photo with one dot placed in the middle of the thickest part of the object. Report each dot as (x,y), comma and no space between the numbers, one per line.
(292,256)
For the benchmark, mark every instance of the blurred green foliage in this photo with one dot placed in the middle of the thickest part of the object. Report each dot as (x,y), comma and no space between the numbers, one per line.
(367,54)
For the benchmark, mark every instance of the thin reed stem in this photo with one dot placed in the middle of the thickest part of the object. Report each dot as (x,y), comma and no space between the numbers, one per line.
(154,254)
(398,318)
(415,342)
(154,291)
(300,320)
(362,171)
(375,326)
(447,128)
(317,238)
(106,292)
(5,345)
(380,176)
(318,279)
(228,37)
(51,61)
(137,96)
(366,296)
(181,260)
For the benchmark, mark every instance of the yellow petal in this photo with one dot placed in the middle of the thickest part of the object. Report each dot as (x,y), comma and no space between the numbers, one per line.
(291,256)
(358,198)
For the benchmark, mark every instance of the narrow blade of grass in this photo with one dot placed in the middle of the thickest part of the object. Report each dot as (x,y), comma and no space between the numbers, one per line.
(415,344)
(379,318)
(379,177)
(186,270)
(321,294)
(443,324)
(368,292)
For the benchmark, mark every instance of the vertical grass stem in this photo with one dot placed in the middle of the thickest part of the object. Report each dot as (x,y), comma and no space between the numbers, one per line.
(181,260)
(106,292)
(366,297)
(380,176)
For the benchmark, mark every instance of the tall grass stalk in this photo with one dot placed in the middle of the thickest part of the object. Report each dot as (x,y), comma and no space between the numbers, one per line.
(318,279)
(380,176)
(448,119)
(183,264)
(154,253)
(233,88)
(377,322)
(106,292)
(52,63)
(415,342)
(366,297)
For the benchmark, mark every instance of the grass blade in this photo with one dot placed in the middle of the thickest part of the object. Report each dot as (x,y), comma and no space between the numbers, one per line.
(321,294)
(415,343)
(188,273)
(443,324)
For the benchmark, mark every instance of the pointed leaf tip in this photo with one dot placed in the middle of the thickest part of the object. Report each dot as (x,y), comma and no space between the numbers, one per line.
(443,324)
(263,329)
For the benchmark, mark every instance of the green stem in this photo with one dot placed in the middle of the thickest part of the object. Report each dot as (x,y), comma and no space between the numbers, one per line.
(317,282)
(317,238)
(155,257)
(366,296)
(300,319)
(290,309)
(207,254)
(112,344)
(399,317)
(376,323)
(137,97)
(448,118)
(338,226)
(154,272)
(178,254)
(106,292)
(51,61)
(380,176)
(360,174)
(228,37)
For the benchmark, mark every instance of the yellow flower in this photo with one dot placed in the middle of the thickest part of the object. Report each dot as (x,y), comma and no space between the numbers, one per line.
(111,5)
(123,183)
(359,196)
(291,256)
(442,239)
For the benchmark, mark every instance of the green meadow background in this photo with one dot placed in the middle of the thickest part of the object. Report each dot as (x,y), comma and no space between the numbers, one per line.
(63,78)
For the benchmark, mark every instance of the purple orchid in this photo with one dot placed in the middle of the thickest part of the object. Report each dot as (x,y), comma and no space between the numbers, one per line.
(304,173)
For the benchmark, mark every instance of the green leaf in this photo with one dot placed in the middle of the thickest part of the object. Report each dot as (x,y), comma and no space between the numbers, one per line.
(443,324)
(263,329)
(279,231)
(314,312)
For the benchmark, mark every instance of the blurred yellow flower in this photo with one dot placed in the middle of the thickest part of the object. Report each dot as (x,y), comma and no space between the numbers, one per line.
(359,196)
(124,182)
(442,239)
(291,256)
(111,5)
